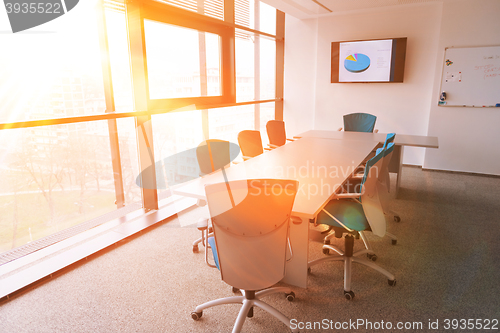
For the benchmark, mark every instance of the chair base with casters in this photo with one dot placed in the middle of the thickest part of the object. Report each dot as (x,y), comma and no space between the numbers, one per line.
(249,299)
(348,257)
(202,225)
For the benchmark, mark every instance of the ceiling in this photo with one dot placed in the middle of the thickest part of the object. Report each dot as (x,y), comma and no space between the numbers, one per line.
(304,9)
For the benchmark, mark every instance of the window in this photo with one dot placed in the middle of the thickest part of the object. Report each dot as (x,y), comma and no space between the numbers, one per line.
(173,57)
(221,72)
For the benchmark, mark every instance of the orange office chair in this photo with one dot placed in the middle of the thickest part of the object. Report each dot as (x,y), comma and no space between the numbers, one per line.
(250,240)
(250,144)
(276,133)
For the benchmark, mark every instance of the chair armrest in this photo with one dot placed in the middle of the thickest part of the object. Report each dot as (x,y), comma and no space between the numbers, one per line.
(347,196)
(375,131)
(245,158)
(297,137)
(291,139)
(271,146)
(202,223)
(340,129)
(268,149)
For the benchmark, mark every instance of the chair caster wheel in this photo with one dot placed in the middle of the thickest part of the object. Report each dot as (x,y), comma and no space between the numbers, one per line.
(394,241)
(326,251)
(309,270)
(397,218)
(235,290)
(372,257)
(290,296)
(348,295)
(392,282)
(196,315)
(326,242)
(196,249)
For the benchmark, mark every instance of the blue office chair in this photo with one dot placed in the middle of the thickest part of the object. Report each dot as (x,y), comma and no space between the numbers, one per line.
(251,221)
(359,122)
(276,133)
(351,214)
(354,183)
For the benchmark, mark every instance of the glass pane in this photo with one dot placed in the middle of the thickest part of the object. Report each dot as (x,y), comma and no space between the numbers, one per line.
(176,65)
(245,15)
(175,133)
(53,178)
(116,25)
(267,68)
(267,19)
(245,90)
(127,140)
(226,123)
(42,71)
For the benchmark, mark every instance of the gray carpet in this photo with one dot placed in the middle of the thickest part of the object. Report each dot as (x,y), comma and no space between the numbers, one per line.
(447,265)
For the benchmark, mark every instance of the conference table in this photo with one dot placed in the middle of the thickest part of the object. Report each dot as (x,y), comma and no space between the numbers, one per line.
(400,141)
(320,165)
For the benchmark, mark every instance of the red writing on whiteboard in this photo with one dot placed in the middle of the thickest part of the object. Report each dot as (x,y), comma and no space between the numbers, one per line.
(490,75)
(483,67)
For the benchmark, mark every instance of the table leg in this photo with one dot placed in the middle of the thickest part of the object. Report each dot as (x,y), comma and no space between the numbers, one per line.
(296,268)
(400,171)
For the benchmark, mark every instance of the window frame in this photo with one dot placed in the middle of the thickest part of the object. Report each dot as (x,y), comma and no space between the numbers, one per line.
(139,11)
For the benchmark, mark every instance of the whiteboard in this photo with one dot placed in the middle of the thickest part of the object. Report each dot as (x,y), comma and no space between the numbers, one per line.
(471,76)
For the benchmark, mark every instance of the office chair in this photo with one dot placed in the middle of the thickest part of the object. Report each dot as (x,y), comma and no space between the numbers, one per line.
(211,155)
(351,214)
(251,221)
(250,144)
(359,122)
(276,133)
(354,183)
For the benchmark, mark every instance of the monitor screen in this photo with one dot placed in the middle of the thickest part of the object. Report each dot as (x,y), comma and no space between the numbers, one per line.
(380,60)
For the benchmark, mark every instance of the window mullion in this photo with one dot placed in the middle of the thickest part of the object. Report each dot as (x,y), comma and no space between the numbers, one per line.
(137,47)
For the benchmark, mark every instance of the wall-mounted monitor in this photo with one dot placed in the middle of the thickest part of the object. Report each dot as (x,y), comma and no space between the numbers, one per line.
(375,60)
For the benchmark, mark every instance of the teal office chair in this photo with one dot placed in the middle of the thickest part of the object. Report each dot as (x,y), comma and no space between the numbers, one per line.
(351,214)
(251,221)
(359,122)
(354,183)
(212,155)
(276,133)
(250,144)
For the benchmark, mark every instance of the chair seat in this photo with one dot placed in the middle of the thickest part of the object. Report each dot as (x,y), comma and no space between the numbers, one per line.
(348,212)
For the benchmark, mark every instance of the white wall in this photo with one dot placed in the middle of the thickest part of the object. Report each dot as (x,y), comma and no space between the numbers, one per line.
(468,137)
(399,107)
(300,68)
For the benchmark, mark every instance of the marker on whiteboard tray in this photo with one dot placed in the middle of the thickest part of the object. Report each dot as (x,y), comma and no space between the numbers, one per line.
(497,105)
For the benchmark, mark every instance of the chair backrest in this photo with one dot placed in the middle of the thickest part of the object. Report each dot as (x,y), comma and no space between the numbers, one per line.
(370,199)
(250,219)
(276,132)
(388,139)
(213,155)
(359,122)
(250,143)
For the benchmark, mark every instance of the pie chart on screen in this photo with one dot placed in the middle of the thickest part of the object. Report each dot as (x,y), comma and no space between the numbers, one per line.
(357,62)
